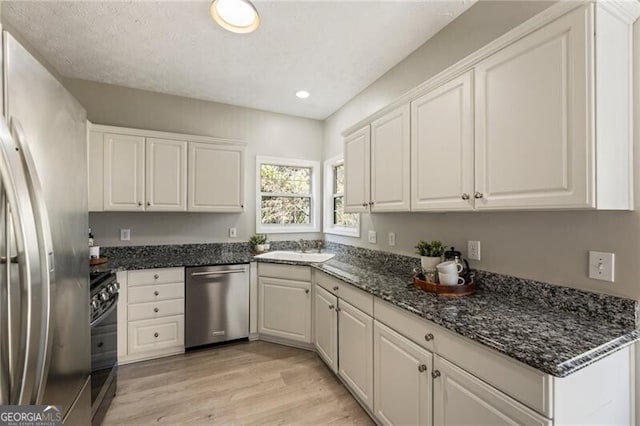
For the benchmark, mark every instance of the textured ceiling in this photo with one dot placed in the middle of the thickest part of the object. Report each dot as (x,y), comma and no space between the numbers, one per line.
(333,49)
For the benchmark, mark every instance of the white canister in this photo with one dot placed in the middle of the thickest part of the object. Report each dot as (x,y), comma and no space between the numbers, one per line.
(94,252)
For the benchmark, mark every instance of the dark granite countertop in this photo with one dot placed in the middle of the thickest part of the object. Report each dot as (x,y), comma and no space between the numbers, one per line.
(551,339)
(169,256)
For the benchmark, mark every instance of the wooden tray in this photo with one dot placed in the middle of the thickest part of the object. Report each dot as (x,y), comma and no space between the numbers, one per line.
(446,290)
(98,260)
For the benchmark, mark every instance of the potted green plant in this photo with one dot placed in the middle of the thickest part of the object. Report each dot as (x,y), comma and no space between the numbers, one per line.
(430,253)
(257,242)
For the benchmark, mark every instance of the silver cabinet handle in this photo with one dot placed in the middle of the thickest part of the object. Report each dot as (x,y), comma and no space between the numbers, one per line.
(364,204)
(306,291)
(371,203)
(156,310)
(156,334)
(157,293)
(203,274)
(331,307)
(156,276)
(148,203)
(435,374)
(338,310)
(336,288)
(465,196)
(422,368)
(139,203)
(428,337)
(478,195)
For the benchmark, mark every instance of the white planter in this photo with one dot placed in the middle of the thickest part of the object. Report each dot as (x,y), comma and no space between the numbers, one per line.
(260,248)
(429,263)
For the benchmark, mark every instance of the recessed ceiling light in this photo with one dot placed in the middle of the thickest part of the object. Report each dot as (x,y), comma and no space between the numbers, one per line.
(237,16)
(302,94)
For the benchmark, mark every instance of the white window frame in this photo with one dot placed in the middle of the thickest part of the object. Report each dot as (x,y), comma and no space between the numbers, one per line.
(329,226)
(316,200)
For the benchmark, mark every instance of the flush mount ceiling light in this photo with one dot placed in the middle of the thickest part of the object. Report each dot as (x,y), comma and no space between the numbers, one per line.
(237,16)
(302,94)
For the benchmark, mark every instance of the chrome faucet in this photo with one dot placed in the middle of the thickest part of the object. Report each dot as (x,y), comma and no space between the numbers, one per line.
(320,246)
(302,245)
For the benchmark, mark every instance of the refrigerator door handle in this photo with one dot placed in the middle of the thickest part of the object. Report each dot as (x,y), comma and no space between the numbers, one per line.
(45,253)
(5,329)
(25,368)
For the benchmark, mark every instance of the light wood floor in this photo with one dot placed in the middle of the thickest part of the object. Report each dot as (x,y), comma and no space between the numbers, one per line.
(237,384)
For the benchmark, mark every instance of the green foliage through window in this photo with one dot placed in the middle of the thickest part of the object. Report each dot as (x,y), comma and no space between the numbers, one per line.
(286,194)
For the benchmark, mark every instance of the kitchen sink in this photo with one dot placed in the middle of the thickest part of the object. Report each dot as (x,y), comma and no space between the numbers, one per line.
(296,256)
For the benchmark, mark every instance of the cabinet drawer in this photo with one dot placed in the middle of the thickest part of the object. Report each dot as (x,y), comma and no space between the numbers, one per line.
(152,293)
(156,334)
(159,309)
(285,272)
(517,380)
(156,276)
(358,298)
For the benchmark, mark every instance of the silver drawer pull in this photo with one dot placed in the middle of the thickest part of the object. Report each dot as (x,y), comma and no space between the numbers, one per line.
(336,288)
(202,274)
(428,337)
(156,276)
(157,293)
(306,291)
(331,307)
(156,310)
(422,368)
(156,334)
(435,374)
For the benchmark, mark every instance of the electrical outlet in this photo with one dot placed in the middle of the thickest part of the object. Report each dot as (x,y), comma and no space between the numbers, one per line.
(602,266)
(125,234)
(233,232)
(373,237)
(473,250)
(392,239)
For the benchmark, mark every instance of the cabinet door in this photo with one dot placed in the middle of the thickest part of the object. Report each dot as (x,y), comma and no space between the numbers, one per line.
(357,167)
(391,162)
(532,113)
(216,178)
(166,175)
(355,351)
(402,377)
(460,398)
(285,309)
(442,148)
(123,172)
(95,152)
(326,327)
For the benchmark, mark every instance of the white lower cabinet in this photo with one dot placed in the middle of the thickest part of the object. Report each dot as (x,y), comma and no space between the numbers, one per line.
(326,327)
(285,309)
(460,398)
(402,377)
(150,314)
(355,351)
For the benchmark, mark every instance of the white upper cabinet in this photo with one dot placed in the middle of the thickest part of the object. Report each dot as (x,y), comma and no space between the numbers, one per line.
(541,118)
(357,166)
(391,162)
(145,170)
(166,175)
(532,109)
(123,172)
(442,147)
(216,178)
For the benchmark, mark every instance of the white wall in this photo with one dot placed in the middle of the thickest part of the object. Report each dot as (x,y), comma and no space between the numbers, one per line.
(548,246)
(265,134)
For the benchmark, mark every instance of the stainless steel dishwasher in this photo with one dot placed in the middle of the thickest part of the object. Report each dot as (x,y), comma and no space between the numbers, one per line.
(216,304)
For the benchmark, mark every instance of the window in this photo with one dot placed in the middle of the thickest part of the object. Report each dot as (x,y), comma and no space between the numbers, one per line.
(287,195)
(336,221)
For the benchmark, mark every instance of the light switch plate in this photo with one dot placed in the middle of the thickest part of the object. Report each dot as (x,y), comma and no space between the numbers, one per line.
(373,237)
(473,250)
(392,239)
(233,232)
(602,266)
(125,234)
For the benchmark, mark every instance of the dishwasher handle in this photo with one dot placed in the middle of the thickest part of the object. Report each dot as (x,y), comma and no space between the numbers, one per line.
(203,274)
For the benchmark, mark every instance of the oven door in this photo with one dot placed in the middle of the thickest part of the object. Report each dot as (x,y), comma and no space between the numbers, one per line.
(104,356)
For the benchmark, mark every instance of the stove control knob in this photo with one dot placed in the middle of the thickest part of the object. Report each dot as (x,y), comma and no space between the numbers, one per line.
(94,303)
(116,284)
(112,289)
(104,295)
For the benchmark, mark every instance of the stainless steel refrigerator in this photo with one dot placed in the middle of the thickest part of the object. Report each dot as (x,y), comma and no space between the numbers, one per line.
(44,290)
